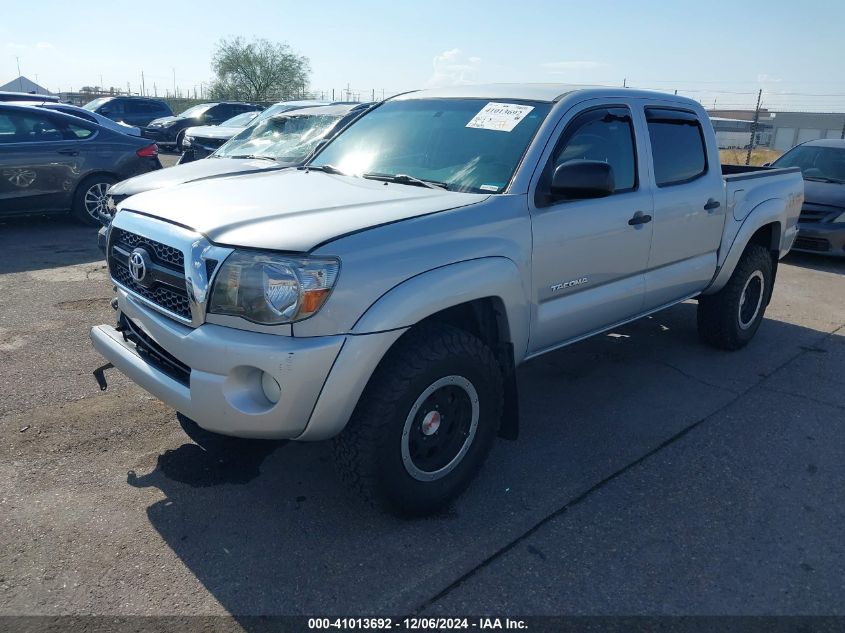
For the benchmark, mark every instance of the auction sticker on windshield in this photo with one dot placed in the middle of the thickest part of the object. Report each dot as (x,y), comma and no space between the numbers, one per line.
(499,116)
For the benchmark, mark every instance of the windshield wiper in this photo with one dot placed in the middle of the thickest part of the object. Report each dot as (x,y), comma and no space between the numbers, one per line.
(823,179)
(405,179)
(253,156)
(328,169)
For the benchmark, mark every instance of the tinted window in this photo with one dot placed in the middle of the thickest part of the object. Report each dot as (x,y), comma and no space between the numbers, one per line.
(17,127)
(605,135)
(677,146)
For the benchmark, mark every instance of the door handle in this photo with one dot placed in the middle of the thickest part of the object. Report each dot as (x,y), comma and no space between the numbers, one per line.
(68,152)
(639,218)
(712,204)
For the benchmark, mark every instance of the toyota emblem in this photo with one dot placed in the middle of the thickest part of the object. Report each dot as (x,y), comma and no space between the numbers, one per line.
(138,261)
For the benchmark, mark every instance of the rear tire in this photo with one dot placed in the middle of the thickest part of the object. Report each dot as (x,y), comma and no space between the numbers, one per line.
(729,319)
(425,422)
(89,200)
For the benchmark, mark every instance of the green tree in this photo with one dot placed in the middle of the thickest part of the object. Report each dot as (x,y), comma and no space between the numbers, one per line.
(259,70)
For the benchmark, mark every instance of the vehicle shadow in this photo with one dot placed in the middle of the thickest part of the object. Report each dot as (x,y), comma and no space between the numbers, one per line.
(271,531)
(38,242)
(824,263)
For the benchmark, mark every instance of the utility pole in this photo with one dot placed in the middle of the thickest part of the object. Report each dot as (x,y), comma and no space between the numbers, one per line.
(625,82)
(843,130)
(155,89)
(174,80)
(754,128)
(143,85)
(332,94)
(101,83)
(20,77)
(347,92)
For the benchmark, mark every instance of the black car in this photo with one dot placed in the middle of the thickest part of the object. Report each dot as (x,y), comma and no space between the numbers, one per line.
(51,162)
(169,131)
(821,225)
(138,111)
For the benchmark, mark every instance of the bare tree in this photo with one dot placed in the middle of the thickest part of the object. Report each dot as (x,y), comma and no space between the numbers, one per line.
(259,70)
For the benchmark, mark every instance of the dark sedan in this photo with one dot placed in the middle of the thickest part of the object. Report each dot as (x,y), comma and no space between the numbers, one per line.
(53,162)
(170,130)
(821,227)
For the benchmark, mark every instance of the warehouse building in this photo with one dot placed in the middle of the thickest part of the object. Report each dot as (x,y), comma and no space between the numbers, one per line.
(784,130)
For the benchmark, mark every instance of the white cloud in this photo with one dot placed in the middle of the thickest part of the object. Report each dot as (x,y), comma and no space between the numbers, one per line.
(43,45)
(764,79)
(568,66)
(15,46)
(454,68)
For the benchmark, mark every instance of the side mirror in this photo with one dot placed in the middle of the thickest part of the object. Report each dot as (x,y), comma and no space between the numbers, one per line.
(582,179)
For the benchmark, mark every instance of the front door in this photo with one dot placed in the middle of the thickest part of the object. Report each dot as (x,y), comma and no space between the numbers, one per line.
(590,255)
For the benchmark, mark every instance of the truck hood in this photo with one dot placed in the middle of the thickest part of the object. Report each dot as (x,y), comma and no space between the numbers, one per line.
(291,210)
(829,194)
(178,174)
(212,131)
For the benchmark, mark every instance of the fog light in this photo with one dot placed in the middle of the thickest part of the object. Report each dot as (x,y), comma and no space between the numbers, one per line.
(272,389)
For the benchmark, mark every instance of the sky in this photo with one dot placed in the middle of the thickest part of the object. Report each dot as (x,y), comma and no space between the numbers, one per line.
(717,52)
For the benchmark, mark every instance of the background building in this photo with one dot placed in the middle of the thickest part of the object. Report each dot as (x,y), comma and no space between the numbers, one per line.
(22,84)
(783,130)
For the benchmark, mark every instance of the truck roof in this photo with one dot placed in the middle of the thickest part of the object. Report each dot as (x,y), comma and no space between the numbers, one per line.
(549,93)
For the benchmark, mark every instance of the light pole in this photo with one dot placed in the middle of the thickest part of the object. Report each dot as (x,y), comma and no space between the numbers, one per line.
(20,77)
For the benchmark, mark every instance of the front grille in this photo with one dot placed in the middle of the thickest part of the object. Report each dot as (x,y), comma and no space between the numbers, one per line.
(172,296)
(812,216)
(817,244)
(164,253)
(153,353)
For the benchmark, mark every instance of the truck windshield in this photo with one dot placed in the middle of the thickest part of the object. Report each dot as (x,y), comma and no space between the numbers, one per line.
(816,162)
(285,138)
(470,145)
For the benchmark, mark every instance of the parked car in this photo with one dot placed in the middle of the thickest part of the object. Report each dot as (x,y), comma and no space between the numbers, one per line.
(170,130)
(137,111)
(87,115)
(202,140)
(284,140)
(26,96)
(51,161)
(385,291)
(821,227)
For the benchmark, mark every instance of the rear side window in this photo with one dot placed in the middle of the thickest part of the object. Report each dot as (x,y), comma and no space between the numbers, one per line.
(677,146)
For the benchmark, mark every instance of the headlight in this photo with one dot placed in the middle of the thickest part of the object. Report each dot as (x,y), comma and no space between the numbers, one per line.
(186,141)
(841,218)
(272,289)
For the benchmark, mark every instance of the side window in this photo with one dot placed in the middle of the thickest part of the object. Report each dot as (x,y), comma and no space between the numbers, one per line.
(677,146)
(17,127)
(602,134)
(77,132)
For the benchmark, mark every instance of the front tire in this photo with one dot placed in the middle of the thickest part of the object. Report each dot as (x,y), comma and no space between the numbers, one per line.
(89,201)
(425,423)
(729,319)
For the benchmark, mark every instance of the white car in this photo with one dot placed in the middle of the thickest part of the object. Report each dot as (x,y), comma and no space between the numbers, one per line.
(82,113)
(201,140)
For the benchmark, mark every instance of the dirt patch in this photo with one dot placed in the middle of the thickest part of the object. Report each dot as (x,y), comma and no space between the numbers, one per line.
(84,304)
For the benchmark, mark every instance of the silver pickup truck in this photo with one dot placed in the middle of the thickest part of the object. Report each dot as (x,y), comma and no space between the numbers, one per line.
(384,293)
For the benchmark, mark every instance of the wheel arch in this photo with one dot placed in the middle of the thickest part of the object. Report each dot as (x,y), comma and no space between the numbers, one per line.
(762,226)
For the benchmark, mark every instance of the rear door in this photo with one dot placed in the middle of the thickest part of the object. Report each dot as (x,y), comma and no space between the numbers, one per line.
(689,205)
(588,262)
(39,162)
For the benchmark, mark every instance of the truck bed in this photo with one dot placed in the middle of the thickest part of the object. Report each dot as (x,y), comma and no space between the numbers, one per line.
(745,172)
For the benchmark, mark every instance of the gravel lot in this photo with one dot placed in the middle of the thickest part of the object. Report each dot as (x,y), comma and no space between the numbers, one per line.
(653,475)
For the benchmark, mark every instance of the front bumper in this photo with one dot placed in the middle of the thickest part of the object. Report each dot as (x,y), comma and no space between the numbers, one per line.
(218,383)
(825,239)
(160,135)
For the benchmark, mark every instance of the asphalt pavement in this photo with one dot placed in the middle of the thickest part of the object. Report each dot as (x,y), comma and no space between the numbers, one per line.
(653,475)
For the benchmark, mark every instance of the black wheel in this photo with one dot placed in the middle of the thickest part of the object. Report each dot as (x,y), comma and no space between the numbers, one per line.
(89,201)
(729,318)
(425,423)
